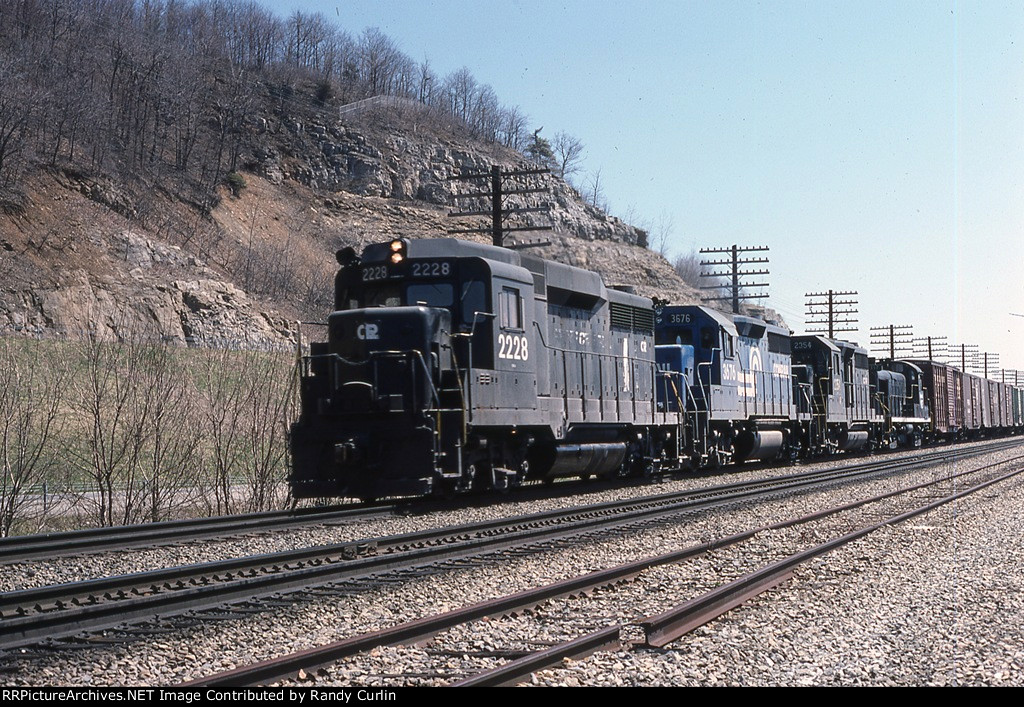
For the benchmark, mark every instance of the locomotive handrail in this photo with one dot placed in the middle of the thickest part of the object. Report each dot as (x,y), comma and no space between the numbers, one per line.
(669,375)
(458,379)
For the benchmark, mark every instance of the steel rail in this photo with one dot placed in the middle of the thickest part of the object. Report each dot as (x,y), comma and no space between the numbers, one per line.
(16,549)
(31,615)
(662,629)
(311,659)
(20,548)
(10,601)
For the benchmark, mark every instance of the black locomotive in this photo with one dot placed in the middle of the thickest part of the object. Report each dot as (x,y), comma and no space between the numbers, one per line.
(451,365)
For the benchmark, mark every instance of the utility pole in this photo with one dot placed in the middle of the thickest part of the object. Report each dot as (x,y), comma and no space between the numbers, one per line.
(966,349)
(733,272)
(987,357)
(931,346)
(894,337)
(833,308)
(492,204)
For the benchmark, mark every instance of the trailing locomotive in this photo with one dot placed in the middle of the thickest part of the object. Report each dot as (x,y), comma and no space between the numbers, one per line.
(451,365)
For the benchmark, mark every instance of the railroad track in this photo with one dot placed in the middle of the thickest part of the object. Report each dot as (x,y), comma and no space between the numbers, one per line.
(27,548)
(654,631)
(31,548)
(130,604)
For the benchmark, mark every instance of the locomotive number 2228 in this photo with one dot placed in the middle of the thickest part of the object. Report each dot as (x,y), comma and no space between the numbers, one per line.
(513,347)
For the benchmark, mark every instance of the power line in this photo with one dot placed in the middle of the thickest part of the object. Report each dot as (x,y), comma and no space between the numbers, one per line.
(891,339)
(502,184)
(965,350)
(934,348)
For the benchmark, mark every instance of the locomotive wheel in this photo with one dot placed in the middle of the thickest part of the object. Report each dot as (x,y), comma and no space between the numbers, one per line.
(476,477)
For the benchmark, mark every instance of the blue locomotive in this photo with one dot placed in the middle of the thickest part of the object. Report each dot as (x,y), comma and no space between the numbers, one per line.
(739,394)
(450,366)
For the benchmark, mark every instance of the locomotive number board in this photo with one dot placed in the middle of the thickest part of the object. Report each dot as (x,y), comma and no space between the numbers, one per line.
(417,269)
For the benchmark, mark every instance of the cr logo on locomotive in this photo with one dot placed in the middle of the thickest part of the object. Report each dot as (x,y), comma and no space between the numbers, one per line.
(368,332)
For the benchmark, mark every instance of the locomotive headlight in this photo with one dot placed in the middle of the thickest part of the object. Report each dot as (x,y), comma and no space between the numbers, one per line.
(397,247)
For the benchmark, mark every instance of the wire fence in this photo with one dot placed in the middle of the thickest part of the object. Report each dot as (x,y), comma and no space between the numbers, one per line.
(376,102)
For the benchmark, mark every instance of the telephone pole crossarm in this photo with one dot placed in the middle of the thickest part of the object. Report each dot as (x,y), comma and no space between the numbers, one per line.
(733,273)
(833,309)
(497,191)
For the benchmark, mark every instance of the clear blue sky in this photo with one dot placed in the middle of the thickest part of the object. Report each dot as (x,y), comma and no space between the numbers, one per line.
(874,146)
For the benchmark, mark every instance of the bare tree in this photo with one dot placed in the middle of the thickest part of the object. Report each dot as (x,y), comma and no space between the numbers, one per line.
(223,403)
(661,232)
(378,57)
(33,380)
(171,468)
(17,102)
(115,410)
(688,268)
(569,154)
(594,191)
(426,82)
(513,128)
(461,89)
(268,416)
(247,406)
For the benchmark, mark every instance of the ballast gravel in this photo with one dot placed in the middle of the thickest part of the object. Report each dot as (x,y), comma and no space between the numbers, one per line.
(41,573)
(936,600)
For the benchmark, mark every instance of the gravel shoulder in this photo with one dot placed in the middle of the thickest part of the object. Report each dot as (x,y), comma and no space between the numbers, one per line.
(933,601)
(938,600)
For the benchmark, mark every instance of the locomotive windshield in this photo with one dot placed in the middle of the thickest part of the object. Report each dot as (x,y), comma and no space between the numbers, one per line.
(430,294)
(383,296)
(463,301)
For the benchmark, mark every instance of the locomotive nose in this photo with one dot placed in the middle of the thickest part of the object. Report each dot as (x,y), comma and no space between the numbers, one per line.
(348,452)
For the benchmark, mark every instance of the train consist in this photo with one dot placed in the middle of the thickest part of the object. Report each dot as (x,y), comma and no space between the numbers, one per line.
(451,366)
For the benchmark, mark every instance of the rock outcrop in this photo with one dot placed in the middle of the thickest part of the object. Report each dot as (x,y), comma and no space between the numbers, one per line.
(88,255)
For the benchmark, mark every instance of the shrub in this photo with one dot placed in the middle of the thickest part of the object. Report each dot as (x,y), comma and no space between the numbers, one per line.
(236,182)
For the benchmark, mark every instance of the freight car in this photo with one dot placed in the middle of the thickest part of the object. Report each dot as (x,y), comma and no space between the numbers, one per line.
(450,366)
(966,406)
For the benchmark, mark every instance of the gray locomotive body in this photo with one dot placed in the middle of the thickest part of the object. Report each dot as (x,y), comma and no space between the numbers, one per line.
(452,365)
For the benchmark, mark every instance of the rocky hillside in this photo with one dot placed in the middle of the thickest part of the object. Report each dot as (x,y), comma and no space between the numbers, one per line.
(83,252)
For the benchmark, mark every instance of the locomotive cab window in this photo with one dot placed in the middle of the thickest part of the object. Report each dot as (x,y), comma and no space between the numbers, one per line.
(472,300)
(708,338)
(510,308)
(377,297)
(431,294)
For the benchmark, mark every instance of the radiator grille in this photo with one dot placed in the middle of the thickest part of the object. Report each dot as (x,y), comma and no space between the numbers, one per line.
(624,316)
